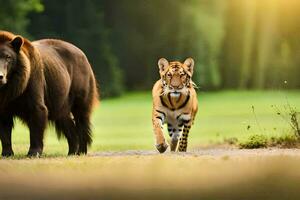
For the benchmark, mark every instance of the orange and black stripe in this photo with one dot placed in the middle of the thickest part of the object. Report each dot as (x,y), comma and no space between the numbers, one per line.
(168,103)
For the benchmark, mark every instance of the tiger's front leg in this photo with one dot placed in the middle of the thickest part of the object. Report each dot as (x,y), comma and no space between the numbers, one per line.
(157,122)
(174,132)
(183,141)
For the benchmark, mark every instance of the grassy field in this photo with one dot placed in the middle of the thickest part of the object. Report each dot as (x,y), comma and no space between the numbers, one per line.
(125,123)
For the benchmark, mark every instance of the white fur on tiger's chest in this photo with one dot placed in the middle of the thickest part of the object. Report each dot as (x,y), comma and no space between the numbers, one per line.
(175,95)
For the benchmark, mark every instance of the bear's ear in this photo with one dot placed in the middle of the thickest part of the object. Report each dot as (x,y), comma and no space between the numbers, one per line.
(17,43)
(189,66)
(163,64)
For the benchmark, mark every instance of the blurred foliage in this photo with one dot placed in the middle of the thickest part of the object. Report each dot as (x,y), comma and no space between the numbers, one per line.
(13,14)
(172,29)
(236,44)
(81,23)
(250,44)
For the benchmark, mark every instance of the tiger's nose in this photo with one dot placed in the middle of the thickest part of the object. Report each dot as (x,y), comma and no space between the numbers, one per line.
(176,87)
(175,82)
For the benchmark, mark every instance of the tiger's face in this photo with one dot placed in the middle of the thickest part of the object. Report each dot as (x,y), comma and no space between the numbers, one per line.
(176,76)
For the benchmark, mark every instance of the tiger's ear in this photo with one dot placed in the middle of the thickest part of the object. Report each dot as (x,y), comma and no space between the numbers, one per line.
(17,43)
(189,66)
(163,64)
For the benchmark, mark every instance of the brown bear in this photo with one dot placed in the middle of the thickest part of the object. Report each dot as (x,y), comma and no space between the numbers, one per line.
(45,81)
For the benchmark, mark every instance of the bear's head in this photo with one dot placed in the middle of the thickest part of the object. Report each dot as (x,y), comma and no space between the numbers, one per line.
(9,52)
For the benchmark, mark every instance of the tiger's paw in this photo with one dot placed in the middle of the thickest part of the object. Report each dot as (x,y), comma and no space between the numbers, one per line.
(162,147)
(173,144)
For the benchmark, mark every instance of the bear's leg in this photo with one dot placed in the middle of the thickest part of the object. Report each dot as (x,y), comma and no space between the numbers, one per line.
(6,125)
(82,122)
(84,133)
(67,127)
(37,125)
(81,111)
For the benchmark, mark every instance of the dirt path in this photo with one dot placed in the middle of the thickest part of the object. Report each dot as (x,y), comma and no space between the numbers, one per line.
(202,173)
(206,152)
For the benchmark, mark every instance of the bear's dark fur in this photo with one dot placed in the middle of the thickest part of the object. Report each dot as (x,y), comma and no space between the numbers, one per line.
(45,81)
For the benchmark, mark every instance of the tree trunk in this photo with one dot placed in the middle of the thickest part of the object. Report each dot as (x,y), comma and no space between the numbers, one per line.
(249,28)
(266,41)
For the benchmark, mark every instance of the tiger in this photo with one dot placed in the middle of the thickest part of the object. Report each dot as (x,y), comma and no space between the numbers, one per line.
(175,103)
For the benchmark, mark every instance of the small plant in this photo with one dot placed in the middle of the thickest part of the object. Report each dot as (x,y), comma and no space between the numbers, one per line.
(257,123)
(254,142)
(284,141)
(290,116)
(294,121)
(261,141)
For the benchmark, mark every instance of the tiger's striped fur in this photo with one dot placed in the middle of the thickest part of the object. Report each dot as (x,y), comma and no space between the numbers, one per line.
(175,103)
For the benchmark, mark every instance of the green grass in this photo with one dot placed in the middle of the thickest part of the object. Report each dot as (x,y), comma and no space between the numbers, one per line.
(125,123)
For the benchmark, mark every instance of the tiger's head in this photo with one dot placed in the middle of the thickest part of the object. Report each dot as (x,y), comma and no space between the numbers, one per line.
(176,76)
